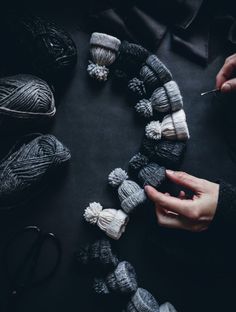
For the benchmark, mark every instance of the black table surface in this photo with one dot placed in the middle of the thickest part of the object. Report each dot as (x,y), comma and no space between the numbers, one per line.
(99,125)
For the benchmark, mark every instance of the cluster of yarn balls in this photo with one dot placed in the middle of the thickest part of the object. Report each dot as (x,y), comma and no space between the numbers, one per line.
(111,276)
(52,53)
(155,92)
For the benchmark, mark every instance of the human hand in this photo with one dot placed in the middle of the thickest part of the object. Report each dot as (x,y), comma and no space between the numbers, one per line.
(193,214)
(225,80)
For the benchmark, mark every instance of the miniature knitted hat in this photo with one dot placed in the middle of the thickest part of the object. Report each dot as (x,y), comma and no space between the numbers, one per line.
(103,51)
(130,193)
(172,127)
(167,307)
(137,89)
(122,280)
(111,221)
(164,99)
(149,173)
(164,152)
(130,59)
(154,73)
(98,256)
(142,301)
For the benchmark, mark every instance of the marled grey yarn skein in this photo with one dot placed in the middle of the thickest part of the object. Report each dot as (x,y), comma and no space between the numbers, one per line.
(26,165)
(26,96)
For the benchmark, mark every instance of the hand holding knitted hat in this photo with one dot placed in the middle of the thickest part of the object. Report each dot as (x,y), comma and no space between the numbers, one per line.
(111,221)
(130,193)
(154,73)
(142,301)
(122,280)
(164,152)
(164,99)
(149,173)
(103,52)
(98,256)
(172,127)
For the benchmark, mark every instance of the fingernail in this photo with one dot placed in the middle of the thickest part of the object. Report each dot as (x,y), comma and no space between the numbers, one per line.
(146,187)
(226,87)
(170,171)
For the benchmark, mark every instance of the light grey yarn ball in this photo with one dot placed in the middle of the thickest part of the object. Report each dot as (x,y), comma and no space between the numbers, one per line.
(164,99)
(103,52)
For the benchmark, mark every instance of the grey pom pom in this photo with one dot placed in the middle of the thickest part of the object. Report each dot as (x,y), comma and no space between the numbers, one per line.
(167,307)
(117,176)
(100,286)
(98,72)
(137,88)
(153,130)
(144,108)
(142,301)
(138,161)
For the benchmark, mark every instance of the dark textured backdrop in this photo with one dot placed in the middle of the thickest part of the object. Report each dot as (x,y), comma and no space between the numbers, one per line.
(98,124)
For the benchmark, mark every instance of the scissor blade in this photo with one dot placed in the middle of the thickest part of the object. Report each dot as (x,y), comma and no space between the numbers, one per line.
(211,91)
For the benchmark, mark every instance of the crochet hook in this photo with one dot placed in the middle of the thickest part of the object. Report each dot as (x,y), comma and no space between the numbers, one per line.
(211,91)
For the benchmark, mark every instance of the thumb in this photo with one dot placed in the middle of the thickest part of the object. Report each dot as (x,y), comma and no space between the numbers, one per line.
(229,86)
(186,180)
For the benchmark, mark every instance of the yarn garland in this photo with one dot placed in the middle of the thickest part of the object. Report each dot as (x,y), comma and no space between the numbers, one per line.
(27,97)
(28,162)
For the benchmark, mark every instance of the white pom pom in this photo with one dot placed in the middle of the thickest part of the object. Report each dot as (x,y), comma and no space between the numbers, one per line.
(153,130)
(98,72)
(117,176)
(144,108)
(92,212)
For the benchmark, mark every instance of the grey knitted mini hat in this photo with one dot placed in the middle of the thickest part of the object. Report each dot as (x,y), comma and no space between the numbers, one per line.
(130,193)
(154,73)
(103,51)
(98,256)
(167,307)
(111,221)
(164,152)
(142,301)
(149,173)
(172,127)
(164,99)
(122,280)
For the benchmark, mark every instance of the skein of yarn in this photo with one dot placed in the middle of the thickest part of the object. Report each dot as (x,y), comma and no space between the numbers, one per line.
(98,256)
(164,99)
(29,161)
(111,221)
(130,193)
(49,50)
(154,73)
(164,152)
(26,96)
(130,59)
(142,301)
(103,52)
(172,127)
(122,280)
(149,173)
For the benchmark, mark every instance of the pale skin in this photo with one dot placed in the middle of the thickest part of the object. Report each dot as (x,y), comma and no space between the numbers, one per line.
(197,213)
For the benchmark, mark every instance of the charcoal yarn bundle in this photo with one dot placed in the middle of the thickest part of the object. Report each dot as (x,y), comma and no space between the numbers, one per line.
(29,161)
(27,97)
(49,50)
(118,277)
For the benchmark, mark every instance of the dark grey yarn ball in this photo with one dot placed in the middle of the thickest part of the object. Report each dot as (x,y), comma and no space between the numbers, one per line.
(29,161)
(154,73)
(149,173)
(164,152)
(122,280)
(142,301)
(26,96)
(49,50)
(98,256)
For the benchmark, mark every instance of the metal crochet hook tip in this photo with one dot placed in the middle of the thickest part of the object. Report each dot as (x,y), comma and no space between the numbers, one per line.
(211,91)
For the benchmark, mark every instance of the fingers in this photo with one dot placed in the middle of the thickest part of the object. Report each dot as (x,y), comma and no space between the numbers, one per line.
(185,180)
(229,86)
(184,207)
(226,71)
(182,195)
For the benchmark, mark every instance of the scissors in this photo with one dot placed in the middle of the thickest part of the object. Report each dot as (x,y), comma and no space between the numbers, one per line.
(25,274)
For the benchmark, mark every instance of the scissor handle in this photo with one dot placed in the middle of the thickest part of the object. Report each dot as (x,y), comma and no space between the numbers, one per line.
(31,258)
